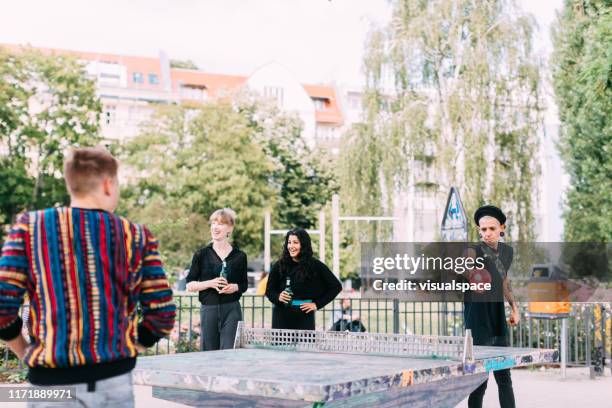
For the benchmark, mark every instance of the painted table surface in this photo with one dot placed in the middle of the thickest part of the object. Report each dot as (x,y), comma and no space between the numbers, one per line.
(306,377)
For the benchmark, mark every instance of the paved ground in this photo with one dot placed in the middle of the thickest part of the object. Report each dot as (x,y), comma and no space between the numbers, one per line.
(533,389)
(542,389)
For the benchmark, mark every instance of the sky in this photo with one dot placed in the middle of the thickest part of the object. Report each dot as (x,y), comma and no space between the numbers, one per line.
(320,41)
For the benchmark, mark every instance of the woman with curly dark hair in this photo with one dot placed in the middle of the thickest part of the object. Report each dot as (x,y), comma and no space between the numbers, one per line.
(299,284)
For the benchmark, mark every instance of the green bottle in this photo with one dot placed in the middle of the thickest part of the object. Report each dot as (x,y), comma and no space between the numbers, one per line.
(223,273)
(288,290)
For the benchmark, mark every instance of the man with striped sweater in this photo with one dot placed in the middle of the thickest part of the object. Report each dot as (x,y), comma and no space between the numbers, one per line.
(85,271)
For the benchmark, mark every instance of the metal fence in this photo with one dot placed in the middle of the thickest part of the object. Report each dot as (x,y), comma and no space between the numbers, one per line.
(378,316)
(589,324)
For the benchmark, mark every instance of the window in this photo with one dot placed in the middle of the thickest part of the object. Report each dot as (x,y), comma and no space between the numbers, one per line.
(107,75)
(109,114)
(320,103)
(321,133)
(194,93)
(387,77)
(107,78)
(326,133)
(355,101)
(425,222)
(138,78)
(153,79)
(384,105)
(137,114)
(274,92)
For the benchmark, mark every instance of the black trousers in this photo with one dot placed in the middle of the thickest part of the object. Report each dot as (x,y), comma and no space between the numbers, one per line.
(502,378)
(284,317)
(218,324)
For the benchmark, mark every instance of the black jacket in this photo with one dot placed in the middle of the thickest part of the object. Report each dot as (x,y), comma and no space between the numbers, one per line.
(322,286)
(206,265)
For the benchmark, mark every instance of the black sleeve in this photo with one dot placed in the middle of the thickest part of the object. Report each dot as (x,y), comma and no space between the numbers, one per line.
(243,280)
(332,284)
(146,336)
(273,287)
(12,331)
(194,270)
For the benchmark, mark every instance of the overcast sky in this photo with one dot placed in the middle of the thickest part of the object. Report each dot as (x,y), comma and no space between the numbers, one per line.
(318,40)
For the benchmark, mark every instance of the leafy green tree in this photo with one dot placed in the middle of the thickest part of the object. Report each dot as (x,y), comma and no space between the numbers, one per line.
(582,73)
(452,91)
(47,104)
(303,181)
(191,160)
(15,190)
(186,64)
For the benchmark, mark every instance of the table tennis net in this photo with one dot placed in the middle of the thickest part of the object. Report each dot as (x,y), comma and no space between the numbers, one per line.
(397,345)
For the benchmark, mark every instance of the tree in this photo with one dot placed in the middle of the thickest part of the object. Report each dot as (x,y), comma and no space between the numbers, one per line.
(47,104)
(452,99)
(191,160)
(15,190)
(303,182)
(186,64)
(582,76)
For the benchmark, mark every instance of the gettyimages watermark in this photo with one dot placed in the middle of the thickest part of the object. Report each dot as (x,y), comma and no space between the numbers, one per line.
(460,271)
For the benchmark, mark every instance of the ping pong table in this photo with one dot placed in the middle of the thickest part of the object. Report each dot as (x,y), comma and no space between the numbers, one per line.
(299,368)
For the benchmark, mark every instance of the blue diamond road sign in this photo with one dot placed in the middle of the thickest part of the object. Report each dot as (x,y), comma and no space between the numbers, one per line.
(454,223)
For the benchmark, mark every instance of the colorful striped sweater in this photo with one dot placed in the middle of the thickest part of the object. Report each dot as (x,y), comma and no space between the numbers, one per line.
(84,272)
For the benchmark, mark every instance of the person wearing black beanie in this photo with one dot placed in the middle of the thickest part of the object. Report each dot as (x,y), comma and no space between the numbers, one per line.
(486,317)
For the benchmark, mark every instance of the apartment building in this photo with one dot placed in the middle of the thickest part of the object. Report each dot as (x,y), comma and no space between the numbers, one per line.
(130,88)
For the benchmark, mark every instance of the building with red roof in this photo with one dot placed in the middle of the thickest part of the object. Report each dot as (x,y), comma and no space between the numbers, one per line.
(130,87)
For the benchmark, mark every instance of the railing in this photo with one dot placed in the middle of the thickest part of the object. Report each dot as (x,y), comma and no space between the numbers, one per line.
(378,316)
(585,333)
